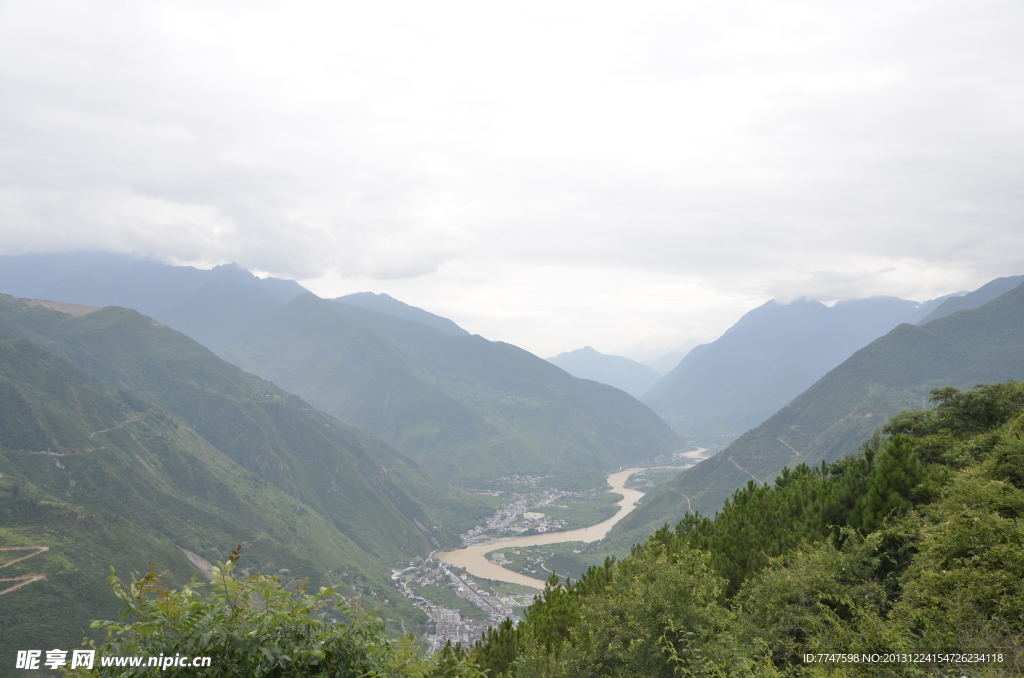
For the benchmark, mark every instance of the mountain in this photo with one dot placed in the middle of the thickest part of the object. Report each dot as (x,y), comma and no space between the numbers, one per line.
(463,407)
(622,373)
(667,362)
(831,419)
(101,479)
(978,297)
(382,303)
(356,481)
(29,275)
(211,306)
(770,356)
(917,540)
(155,444)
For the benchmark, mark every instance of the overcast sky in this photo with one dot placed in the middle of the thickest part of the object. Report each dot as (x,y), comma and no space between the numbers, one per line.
(632,176)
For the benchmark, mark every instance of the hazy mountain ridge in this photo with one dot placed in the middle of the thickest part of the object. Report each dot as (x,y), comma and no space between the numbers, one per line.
(624,374)
(770,356)
(211,306)
(984,294)
(462,406)
(421,384)
(834,416)
(383,303)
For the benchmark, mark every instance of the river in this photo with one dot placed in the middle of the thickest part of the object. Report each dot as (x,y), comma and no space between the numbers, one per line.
(473,558)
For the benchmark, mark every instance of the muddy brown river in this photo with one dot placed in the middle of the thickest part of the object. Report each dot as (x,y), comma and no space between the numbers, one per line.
(473,558)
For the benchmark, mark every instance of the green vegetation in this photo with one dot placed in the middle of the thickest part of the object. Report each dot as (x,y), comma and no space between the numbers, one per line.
(831,419)
(465,408)
(579,512)
(443,595)
(253,626)
(650,479)
(500,588)
(109,480)
(541,561)
(916,544)
(376,496)
(769,357)
(122,441)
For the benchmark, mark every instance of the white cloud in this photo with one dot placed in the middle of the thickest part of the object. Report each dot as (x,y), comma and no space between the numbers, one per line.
(554,174)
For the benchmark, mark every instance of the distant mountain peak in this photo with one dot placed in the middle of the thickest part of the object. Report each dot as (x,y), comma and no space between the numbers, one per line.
(623,373)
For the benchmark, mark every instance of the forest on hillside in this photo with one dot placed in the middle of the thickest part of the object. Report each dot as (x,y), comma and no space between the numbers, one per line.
(904,560)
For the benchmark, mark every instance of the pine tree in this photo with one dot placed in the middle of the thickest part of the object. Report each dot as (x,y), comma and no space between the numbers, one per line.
(895,472)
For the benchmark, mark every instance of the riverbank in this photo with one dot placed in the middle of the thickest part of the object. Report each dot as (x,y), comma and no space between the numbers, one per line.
(474,560)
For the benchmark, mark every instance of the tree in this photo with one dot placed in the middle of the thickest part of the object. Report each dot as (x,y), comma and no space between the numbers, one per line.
(895,471)
(254,626)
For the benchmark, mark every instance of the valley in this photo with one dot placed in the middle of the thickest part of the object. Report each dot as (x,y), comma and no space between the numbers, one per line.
(463,591)
(440,477)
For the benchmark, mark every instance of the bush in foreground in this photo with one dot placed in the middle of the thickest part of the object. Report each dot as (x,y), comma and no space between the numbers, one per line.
(253,626)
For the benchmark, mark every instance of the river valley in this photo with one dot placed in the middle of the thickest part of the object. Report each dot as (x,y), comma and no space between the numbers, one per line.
(473,559)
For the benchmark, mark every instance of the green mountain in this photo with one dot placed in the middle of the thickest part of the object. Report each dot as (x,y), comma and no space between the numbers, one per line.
(122,441)
(463,407)
(872,566)
(979,297)
(102,479)
(770,356)
(837,413)
(622,373)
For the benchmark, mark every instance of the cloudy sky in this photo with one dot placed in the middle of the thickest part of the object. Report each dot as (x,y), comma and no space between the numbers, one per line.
(633,176)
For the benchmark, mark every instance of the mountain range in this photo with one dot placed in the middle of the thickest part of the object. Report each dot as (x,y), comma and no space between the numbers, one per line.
(627,375)
(832,418)
(465,408)
(150,411)
(122,440)
(770,356)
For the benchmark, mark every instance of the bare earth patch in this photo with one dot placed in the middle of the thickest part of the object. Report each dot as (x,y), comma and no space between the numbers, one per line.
(74,310)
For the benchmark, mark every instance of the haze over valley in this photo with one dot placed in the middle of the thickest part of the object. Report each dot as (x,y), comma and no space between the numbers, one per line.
(537,340)
(424,438)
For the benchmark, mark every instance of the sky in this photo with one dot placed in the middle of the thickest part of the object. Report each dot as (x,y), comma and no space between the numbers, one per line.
(629,176)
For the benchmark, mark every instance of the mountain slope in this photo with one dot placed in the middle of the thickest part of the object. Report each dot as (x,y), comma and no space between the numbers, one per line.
(979,297)
(622,373)
(832,417)
(337,471)
(766,359)
(101,478)
(383,303)
(463,407)
(211,306)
